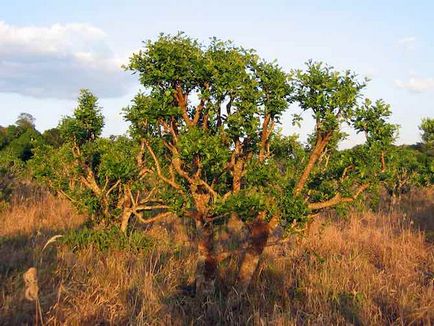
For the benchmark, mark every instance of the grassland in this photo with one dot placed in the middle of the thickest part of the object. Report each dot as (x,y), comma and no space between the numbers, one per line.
(368,268)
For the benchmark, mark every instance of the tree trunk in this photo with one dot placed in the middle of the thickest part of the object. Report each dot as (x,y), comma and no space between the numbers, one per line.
(125,218)
(320,145)
(206,268)
(259,234)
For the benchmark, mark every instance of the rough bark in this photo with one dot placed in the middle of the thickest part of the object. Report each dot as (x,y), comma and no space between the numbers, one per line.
(125,218)
(206,267)
(258,238)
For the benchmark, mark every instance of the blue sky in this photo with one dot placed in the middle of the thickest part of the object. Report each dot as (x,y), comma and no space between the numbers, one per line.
(50,49)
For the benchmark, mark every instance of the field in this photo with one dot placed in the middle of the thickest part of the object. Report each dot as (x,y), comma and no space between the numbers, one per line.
(365,268)
(211,209)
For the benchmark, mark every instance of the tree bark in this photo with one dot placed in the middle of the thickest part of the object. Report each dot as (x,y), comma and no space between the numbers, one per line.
(320,145)
(206,267)
(258,238)
(125,218)
(337,199)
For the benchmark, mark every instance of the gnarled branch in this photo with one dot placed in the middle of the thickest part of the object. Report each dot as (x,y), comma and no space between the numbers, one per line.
(338,199)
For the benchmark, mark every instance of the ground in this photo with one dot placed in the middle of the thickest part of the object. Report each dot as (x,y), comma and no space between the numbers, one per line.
(364,268)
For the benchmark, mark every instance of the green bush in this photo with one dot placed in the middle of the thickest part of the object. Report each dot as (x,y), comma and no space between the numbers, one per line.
(106,239)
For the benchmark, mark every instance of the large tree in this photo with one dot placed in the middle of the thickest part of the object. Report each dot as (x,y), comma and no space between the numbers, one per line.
(207,118)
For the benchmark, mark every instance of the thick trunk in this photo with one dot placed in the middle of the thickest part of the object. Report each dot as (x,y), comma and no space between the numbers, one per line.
(259,234)
(206,268)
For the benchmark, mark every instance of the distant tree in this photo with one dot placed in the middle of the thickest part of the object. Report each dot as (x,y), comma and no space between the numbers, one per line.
(17,141)
(3,137)
(407,168)
(22,147)
(53,137)
(25,121)
(427,128)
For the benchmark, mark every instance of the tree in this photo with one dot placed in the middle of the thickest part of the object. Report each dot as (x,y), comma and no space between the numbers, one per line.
(207,119)
(427,128)
(25,121)
(18,141)
(406,169)
(87,122)
(97,174)
(53,137)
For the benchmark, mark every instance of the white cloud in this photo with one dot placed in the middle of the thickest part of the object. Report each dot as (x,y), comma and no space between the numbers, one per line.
(416,84)
(407,42)
(58,60)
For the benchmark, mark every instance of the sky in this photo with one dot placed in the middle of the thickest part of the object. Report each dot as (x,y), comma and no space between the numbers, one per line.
(50,49)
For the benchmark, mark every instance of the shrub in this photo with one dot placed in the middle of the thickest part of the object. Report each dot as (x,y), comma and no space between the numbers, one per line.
(107,239)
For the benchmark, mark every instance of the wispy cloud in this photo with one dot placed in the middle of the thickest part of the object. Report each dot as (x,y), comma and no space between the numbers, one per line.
(408,42)
(57,60)
(416,84)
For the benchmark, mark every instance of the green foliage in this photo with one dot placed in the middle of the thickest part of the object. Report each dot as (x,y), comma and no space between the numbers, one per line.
(217,73)
(427,145)
(21,147)
(195,144)
(107,239)
(286,147)
(87,122)
(294,211)
(427,128)
(103,177)
(329,95)
(407,168)
(115,159)
(209,97)
(372,120)
(17,143)
(25,121)
(176,59)
(53,137)
(247,203)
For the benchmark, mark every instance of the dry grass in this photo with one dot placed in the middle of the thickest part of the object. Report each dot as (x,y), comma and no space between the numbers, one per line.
(29,217)
(368,269)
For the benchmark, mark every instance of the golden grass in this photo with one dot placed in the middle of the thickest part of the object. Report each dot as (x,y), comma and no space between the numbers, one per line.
(33,215)
(368,269)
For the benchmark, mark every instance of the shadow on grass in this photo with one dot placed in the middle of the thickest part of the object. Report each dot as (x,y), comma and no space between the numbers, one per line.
(419,206)
(19,253)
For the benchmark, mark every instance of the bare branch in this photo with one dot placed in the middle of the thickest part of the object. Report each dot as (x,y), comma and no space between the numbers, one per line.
(172,183)
(149,208)
(320,145)
(181,98)
(153,219)
(338,199)
(264,137)
(113,187)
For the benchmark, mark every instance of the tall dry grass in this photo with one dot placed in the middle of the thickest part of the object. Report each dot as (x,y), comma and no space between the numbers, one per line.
(366,269)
